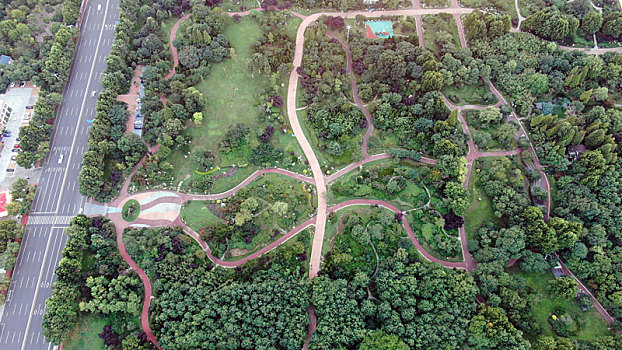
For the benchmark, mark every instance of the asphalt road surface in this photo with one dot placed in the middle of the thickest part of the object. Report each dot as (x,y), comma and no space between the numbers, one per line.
(58,198)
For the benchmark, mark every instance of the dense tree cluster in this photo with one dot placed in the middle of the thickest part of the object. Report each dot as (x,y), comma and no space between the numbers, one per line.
(199,43)
(566,21)
(414,301)
(55,72)
(90,279)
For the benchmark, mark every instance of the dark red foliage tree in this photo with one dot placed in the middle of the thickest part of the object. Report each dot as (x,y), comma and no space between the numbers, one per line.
(335,23)
(453,221)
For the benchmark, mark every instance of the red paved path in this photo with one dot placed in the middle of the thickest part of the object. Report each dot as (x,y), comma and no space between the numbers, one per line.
(173,48)
(144,316)
(409,231)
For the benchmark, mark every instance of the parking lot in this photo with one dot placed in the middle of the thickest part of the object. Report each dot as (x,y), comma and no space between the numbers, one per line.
(17,98)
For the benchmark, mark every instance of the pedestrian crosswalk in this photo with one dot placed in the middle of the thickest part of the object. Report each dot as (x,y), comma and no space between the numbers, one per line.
(49,220)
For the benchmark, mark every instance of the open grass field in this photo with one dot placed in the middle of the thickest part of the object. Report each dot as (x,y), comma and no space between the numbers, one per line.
(503,6)
(592,324)
(479,94)
(235,5)
(85,334)
(433,25)
(480,210)
(196,215)
(233,96)
(435,3)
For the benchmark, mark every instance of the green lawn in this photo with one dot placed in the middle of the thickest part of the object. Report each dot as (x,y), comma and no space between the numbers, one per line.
(233,96)
(593,324)
(412,196)
(480,210)
(130,210)
(234,5)
(435,3)
(85,334)
(503,6)
(196,215)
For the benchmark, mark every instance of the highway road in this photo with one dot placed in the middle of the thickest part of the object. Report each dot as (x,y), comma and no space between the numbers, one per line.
(58,198)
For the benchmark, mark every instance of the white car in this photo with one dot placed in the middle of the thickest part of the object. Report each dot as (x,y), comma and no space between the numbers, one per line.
(60,159)
(99,7)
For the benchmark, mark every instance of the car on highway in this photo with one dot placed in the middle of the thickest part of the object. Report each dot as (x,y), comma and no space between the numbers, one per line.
(60,159)
(99,7)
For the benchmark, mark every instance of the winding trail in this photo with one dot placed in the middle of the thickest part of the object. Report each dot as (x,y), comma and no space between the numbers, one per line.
(144,316)
(355,93)
(407,227)
(173,48)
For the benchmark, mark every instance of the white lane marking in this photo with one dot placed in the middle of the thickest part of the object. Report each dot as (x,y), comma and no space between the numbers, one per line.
(37,289)
(88,85)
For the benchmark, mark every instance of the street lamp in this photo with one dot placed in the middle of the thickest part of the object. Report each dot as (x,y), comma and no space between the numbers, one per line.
(348,27)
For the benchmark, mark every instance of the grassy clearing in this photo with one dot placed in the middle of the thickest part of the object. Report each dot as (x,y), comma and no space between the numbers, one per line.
(480,210)
(167,27)
(238,5)
(413,195)
(479,94)
(433,25)
(352,147)
(85,334)
(592,324)
(503,6)
(262,225)
(234,96)
(435,3)
(197,215)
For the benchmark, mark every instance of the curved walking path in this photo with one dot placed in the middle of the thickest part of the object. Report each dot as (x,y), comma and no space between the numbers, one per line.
(144,316)
(355,93)
(173,48)
(520,17)
(407,227)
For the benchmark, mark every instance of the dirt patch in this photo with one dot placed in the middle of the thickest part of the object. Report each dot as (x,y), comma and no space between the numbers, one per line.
(216,209)
(340,226)
(227,173)
(238,252)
